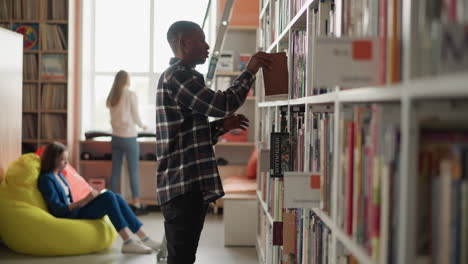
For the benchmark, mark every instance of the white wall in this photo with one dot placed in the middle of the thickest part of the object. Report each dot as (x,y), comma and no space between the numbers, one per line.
(11,90)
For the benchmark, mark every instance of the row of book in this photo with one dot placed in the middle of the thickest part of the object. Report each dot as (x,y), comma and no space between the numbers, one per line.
(28,9)
(299,61)
(49,37)
(320,148)
(438,41)
(266,33)
(297,5)
(368,170)
(442,37)
(53,126)
(297,148)
(442,179)
(53,37)
(53,67)
(4,10)
(30,93)
(30,69)
(302,46)
(301,238)
(380,19)
(441,47)
(29,126)
(297,145)
(306,239)
(33,9)
(321,25)
(283,17)
(54,96)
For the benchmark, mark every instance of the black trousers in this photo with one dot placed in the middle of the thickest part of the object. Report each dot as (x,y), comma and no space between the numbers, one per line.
(184,218)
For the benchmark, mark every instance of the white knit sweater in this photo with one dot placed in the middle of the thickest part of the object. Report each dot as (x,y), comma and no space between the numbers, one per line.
(125,117)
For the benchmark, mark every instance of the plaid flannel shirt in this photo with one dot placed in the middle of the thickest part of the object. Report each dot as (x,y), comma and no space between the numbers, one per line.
(185,137)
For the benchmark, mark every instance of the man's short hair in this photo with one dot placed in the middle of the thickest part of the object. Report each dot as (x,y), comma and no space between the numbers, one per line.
(179,29)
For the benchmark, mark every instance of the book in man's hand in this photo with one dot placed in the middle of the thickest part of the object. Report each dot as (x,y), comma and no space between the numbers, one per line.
(276,78)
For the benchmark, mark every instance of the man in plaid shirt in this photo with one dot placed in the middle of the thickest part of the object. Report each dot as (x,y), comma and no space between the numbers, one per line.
(187,177)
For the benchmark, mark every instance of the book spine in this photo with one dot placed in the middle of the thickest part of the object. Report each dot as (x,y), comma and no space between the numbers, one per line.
(350,180)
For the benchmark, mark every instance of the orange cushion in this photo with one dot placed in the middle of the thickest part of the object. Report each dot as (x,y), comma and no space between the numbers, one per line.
(78,186)
(252,165)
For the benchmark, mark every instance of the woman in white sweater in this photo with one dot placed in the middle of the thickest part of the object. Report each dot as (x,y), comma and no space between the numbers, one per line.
(123,107)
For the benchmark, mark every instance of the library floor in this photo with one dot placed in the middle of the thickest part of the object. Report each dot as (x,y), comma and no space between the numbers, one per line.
(211,249)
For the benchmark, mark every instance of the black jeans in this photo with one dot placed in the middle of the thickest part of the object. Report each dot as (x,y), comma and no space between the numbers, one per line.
(184,217)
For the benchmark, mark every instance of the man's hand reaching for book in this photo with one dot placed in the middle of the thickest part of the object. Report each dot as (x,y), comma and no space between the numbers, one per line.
(259,59)
(236,121)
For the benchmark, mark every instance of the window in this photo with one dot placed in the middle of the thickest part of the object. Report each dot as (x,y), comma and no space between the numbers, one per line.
(130,35)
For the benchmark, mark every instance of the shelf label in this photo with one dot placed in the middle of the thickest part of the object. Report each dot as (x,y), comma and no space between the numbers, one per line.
(302,190)
(346,62)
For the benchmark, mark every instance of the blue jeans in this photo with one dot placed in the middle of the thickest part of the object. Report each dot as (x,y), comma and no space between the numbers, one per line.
(129,147)
(113,205)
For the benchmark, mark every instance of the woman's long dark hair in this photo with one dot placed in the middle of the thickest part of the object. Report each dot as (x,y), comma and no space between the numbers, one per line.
(50,155)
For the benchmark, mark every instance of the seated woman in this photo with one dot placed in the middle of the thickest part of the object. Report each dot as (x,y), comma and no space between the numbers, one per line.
(56,193)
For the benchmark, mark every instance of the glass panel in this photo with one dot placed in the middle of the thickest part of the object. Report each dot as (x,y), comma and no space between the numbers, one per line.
(146,99)
(122,35)
(101,117)
(168,12)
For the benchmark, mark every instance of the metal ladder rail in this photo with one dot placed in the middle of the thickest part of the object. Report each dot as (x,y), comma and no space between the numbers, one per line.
(220,37)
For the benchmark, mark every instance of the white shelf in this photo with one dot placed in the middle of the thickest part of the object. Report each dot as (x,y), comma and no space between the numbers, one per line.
(450,86)
(265,208)
(264,9)
(273,103)
(381,94)
(260,251)
(355,249)
(283,37)
(447,86)
(316,99)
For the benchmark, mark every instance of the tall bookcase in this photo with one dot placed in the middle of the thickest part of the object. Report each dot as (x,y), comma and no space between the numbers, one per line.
(46,59)
(382,127)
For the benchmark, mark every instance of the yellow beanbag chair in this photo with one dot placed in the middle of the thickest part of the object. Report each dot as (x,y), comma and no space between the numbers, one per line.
(27,227)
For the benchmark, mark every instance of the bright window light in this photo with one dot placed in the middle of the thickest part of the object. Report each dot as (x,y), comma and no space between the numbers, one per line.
(130,35)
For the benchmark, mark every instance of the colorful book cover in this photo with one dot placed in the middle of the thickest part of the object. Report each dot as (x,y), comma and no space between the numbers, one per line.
(350,181)
(53,67)
(30,33)
(279,154)
(277,233)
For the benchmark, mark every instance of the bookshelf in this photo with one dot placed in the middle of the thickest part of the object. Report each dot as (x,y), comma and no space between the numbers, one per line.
(376,146)
(49,37)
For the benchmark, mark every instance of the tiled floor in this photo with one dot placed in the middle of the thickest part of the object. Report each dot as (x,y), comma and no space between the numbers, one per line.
(210,251)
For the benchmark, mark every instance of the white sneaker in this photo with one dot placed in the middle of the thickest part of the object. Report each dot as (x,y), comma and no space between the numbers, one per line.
(135,248)
(152,244)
